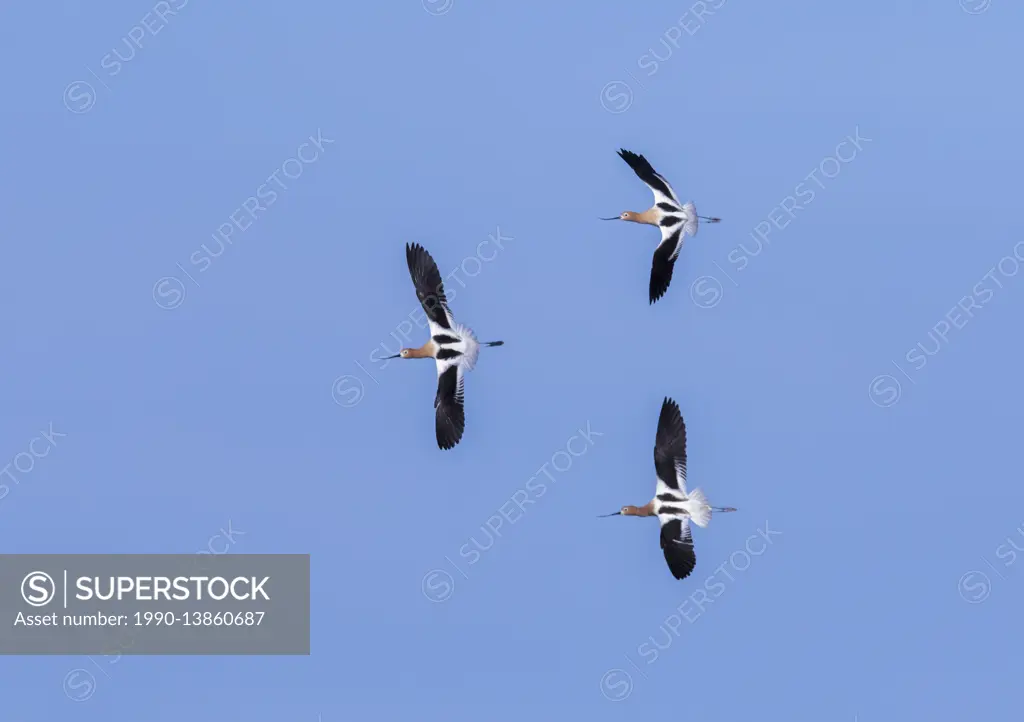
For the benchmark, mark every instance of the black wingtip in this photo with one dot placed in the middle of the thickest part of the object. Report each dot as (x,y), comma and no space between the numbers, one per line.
(415,254)
(670,411)
(449,439)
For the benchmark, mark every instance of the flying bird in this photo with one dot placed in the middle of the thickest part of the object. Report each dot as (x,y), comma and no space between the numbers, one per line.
(672,504)
(453,347)
(674,219)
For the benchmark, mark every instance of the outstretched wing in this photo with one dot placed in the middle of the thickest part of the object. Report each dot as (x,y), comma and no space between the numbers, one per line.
(677,544)
(664,262)
(429,288)
(449,413)
(663,192)
(670,450)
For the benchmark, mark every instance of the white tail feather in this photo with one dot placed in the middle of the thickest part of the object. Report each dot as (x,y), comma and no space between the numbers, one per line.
(690,226)
(472,347)
(697,507)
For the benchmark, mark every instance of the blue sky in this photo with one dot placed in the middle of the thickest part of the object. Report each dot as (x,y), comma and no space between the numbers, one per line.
(832,390)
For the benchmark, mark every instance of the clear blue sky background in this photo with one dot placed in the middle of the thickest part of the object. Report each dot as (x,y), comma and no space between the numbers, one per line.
(448,127)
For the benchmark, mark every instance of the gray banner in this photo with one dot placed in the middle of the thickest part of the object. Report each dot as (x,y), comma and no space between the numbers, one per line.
(154,604)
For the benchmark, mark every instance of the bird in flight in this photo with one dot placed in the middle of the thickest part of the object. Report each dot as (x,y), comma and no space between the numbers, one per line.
(674,219)
(672,504)
(453,347)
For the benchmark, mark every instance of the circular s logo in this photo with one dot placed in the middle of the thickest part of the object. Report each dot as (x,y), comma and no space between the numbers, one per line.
(79,97)
(974,587)
(169,293)
(79,685)
(437,7)
(38,589)
(616,97)
(884,391)
(438,585)
(347,391)
(975,7)
(616,685)
(706,292)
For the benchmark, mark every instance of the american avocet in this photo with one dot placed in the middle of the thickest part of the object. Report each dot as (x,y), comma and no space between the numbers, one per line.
(673,506)
(452,346)
(673,218)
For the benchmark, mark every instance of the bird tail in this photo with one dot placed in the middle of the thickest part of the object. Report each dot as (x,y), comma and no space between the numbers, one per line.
(471,348)
(691,218)
(697,506)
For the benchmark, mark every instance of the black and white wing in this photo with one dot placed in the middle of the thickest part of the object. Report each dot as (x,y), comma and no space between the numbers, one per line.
(670,466)
(670,453)
(429,288)
(665,256)
(677,543)
(449,412)
(663,192)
